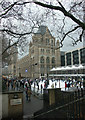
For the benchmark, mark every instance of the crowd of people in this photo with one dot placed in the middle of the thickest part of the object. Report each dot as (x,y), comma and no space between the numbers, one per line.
(38,85)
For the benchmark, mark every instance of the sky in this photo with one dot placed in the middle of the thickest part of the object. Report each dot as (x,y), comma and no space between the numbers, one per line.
(53,28)
(54,23)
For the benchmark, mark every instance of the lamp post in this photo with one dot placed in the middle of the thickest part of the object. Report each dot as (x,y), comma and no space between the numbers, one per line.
(19,73)
(35,70)
(14,74)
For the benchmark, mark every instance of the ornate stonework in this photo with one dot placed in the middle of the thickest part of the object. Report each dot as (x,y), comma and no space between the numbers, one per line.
(43,55)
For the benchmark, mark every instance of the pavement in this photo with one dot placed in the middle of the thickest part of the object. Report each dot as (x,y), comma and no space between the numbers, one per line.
(36,103)
(29,107)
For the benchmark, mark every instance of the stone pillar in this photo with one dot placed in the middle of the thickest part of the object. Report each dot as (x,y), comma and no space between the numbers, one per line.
(15,108)
(51,96)
(12,105)
(54,95)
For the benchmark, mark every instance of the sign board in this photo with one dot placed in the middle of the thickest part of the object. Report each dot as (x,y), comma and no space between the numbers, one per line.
(16,101)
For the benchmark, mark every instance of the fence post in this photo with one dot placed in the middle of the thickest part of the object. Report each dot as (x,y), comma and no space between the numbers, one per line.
(76,104)
(82,95)
(81,92)
(79,104)
(73,106)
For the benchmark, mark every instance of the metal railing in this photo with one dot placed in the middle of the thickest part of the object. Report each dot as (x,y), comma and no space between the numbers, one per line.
(71,106)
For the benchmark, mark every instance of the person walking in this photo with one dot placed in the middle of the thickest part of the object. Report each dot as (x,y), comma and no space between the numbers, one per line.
(68,85)
(34,87)
(38,88)
(14,84)
(41,88)
(55,84)
(26,91)
(29,94)
(80,84)
(7,84)
(65,85)
(11,83)
(17,84)
(44,84)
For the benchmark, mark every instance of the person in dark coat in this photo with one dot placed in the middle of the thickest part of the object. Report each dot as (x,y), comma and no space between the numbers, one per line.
(41,88)
(37,87)
(68,85)
(29,94)
(26,93)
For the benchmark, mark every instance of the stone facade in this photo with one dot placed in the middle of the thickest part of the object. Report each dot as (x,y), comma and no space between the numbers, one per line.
(43,55)
(23,67)
(13,61)
(12,105)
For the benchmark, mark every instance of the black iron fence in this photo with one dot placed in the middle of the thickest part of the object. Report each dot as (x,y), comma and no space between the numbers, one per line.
(70,105)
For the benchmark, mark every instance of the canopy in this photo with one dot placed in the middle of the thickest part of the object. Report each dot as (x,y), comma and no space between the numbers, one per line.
(73,67)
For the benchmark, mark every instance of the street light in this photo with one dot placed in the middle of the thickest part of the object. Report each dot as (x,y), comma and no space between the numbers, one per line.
(19,73)
(34,73)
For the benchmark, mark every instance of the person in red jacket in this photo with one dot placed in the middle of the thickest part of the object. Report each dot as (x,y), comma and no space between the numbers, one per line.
(65,85)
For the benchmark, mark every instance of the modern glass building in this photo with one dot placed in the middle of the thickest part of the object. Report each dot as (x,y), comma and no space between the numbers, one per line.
(68,58)
(82,55)
(74,57)
(62,58)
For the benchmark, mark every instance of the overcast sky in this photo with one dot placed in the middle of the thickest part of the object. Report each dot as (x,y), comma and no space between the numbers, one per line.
(53,23)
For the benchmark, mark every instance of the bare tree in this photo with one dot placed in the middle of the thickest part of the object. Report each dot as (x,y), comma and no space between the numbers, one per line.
(19,19)
(16,27)
(75,13)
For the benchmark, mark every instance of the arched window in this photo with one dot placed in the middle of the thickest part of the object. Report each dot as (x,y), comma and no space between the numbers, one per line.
(42,69)
(53,60)
(47,41)
(53,51)
(48,68)
(52,42)
(42,59)
(47,60)
(42,50)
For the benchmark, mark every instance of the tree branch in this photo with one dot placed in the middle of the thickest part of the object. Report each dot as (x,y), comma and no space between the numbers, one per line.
(10,47)
(8,9)
(75,6)
(80,38)
(15,33)
(68,33)
(63,10)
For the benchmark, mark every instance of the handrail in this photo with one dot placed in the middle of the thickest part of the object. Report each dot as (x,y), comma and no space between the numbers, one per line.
(59,107)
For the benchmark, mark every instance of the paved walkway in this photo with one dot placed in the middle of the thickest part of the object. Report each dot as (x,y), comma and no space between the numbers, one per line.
(29,107)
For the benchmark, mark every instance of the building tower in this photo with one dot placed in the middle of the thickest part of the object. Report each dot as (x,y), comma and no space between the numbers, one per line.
(43,53)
